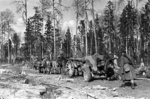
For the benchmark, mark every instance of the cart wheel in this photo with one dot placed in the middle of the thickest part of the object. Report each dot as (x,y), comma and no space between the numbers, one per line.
(87,74)
(71,70)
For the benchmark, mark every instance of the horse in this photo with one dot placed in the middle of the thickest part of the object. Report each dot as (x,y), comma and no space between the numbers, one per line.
(48,67)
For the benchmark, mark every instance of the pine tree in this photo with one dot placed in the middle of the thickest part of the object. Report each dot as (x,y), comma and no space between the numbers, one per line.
(58,40)
(82,37)
(109,28)
(145,27)
(49,35)
(91,41)
(16,41)
(100,36)
(128,23)
(29,39)
(6,49)
(37,23)
(67,43)
(76,46)
(10,49)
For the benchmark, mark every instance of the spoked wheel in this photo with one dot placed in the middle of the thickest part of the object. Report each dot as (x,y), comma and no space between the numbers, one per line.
(71,69)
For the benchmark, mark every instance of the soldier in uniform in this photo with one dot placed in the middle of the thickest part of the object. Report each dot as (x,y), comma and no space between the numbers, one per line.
(35,60)
(61,61)
(142,69)
(43,64)
(127,71)
(109,58)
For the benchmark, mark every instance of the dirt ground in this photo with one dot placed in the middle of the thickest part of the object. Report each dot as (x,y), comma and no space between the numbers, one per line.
(141,90)
(77,86)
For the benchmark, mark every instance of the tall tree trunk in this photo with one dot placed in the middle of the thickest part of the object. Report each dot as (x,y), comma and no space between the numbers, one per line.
(138,22)
(126,44)
(42,49)
(94,26)
(77,18)
(82,44)
(26,11)
(43,29)
(2,47)
(109,43)
(54,34)
(91,51)
(2,39)
(24,14)
(30,51)
(114,43)
(86,30)
(8,44)
(8,52)
(26,20)
(14,58)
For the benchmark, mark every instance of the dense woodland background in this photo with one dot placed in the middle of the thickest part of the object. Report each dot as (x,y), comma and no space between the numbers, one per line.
(109,31)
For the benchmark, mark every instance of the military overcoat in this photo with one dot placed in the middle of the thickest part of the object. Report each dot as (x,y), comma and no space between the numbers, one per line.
(127,70)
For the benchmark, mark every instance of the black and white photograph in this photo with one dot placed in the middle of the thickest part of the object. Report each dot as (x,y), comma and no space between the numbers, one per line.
(74,49)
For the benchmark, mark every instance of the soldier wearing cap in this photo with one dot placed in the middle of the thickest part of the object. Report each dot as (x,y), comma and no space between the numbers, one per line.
(127,70)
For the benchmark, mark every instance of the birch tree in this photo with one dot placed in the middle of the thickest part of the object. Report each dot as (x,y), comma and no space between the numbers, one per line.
(21,6)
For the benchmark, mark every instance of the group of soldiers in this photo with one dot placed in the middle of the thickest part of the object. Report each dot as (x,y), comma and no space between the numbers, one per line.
(49,66)
(42,65)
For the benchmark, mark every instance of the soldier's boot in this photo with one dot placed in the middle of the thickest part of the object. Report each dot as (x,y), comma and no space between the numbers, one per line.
(49,70)
(132,84)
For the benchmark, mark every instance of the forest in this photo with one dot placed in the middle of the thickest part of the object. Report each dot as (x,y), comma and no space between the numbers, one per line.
(112,30)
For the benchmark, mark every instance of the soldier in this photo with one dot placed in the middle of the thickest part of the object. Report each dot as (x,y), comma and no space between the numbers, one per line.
(116,67)
(115,62)
(142,69)
(61,60)
(109,58)
(43,64)
(35,60)
(127,71)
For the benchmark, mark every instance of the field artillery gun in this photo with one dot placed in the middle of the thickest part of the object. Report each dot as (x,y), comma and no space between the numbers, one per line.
(90,66)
